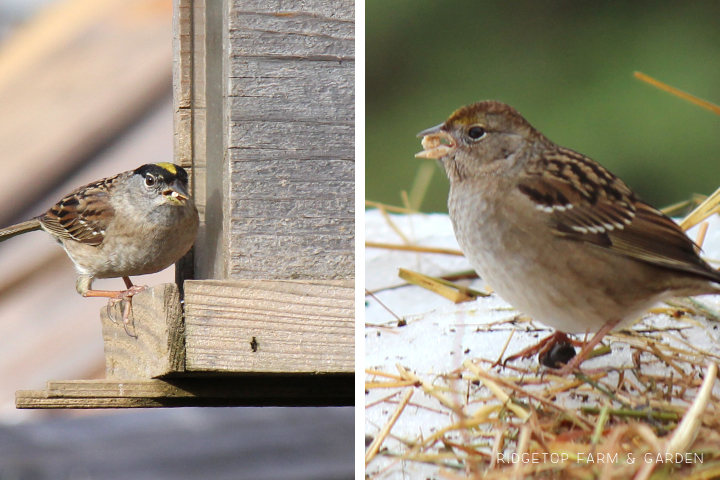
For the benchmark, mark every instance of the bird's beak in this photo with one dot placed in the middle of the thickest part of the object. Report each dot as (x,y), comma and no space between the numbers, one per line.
(432,142)
(176,193)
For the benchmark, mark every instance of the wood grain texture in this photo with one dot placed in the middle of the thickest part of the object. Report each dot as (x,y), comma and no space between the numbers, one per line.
(291,140)
(270,326)
(270,135)
(182,53)
(159,348)
(189,92)
(214,391)
(183,118)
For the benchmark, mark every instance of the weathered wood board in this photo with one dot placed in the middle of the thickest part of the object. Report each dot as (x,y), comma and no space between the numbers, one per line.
(209,391)
(265,110)
(291,114)
(270,326)
(238,326)
(157,346)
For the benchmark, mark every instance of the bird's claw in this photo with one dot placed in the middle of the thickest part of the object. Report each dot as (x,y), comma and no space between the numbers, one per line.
(110,307)
(126,297)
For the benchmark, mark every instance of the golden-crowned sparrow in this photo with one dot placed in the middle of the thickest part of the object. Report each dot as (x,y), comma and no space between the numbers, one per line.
(554,233)
(135,223)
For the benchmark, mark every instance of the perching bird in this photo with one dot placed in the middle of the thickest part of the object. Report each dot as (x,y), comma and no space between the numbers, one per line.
(135,223)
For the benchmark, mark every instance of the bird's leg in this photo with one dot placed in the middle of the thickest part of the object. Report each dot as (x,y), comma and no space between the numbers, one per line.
(587,348)
(548,357)
(541,348)
(84,287)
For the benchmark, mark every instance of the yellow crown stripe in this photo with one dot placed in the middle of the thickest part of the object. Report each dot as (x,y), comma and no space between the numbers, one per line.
(170,167)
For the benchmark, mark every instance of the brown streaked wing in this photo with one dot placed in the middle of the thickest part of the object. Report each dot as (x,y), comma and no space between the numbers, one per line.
(582,196)
(83,215)
(654,238)
(588,203)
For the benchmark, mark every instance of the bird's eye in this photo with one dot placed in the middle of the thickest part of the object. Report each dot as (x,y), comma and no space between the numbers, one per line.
(150,180)
(476,132)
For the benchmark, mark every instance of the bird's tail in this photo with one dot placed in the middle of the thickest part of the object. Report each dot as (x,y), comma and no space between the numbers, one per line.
(20,228)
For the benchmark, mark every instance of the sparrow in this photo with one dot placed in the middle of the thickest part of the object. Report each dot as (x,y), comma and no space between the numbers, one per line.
(553,232)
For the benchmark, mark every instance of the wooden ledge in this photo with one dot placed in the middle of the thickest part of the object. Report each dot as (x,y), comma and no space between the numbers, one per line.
(214,391)
(235,326)
(242,343)
(273,326)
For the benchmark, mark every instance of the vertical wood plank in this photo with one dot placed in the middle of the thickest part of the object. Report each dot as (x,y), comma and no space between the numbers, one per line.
(273,138)
(183,103)
(291,139)
(182,81)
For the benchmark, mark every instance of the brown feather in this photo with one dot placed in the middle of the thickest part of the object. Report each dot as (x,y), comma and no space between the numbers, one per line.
(83,215)
(588,203)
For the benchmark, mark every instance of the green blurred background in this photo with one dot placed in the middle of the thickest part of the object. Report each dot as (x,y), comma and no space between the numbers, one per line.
(567,66)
